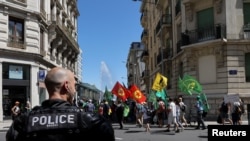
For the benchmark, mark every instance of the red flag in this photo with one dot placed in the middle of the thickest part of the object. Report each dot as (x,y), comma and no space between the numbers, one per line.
(136,94)
(120,91)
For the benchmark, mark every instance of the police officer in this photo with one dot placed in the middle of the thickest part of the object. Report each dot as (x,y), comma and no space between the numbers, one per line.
(57,119)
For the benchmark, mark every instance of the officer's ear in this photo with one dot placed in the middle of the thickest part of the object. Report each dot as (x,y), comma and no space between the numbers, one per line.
(66,85)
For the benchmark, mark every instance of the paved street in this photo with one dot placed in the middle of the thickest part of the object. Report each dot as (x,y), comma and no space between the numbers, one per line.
(134,133)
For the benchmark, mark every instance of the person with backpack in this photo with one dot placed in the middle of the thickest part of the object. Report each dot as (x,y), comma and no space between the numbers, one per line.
(200,110)
(236,113)
(58,118)
(183,107)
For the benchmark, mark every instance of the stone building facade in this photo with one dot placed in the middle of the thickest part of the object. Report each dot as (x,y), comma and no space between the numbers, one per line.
(209,40)
(36,35)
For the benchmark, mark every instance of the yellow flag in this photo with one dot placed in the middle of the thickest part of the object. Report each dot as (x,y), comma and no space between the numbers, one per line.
(160,82)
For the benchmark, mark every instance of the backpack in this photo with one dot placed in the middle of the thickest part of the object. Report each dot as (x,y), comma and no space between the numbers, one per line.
(224,107)
(183,108)
(238,109)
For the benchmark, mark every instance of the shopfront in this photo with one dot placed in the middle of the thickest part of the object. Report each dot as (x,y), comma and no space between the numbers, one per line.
(15,86)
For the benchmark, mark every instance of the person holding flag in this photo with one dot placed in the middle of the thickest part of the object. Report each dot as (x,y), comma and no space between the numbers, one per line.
(199,106)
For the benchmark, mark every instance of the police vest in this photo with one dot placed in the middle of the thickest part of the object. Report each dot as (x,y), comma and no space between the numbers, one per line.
(53,120)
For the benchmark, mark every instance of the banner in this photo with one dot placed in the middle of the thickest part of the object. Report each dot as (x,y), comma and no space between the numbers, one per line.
(160,82)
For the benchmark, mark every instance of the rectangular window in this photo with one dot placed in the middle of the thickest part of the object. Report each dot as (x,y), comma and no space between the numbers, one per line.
(246,11)
(41,40)
(205,24)
(16,30)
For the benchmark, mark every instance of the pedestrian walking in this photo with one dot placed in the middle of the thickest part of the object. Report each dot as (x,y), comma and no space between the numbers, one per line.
(200,110)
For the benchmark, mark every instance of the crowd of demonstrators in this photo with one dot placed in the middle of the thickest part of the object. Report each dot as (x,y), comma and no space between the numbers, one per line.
(60,84)
(200,109)
(236,109)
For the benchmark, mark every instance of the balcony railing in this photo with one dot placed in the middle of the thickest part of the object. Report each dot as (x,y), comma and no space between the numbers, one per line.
(43,14)
(145,74)
(144,18)
(16,44)
(178,7)
(246,29)
(166,20)
(166,55)
(67,33)
(144,55)
(144,35)
(19,2)
(204,34)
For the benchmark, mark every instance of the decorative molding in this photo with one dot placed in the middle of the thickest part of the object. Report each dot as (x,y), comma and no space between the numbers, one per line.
(218,6)
(247,48)
(28,16)
(6,10)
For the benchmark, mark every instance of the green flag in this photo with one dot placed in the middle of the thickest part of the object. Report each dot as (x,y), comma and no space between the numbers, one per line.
(189,85)
(107,94)
(163,95)
(152,98)
(206,106)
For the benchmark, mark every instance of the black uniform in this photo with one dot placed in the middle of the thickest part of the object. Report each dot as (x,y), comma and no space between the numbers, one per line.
(58,120)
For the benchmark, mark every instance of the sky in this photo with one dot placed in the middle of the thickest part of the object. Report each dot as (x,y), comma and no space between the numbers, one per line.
(106,29)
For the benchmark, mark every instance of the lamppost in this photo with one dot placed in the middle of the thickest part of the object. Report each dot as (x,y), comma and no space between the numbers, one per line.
(161,37)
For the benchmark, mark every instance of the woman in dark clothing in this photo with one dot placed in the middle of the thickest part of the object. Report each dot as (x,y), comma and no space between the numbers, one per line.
(119,113)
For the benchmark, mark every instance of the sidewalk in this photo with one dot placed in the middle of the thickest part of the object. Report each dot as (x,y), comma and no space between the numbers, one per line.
(5,124)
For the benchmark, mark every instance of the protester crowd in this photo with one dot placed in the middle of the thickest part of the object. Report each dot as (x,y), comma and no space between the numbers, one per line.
(94,118)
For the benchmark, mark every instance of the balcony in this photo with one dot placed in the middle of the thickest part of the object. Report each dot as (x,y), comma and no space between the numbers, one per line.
(159,3)
(145,74)
(16,44)
(145,56)
(178,7)
(144,19)
(67,32)
(167,55)
(246,30)
(204,34)
(144,35)
(164,24)
(20,2)
(43,14)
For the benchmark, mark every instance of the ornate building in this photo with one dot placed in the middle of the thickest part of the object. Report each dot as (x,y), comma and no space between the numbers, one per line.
(36,35)
(209,40)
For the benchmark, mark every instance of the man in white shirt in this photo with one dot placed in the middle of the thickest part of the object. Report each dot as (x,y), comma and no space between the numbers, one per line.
(172,116)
